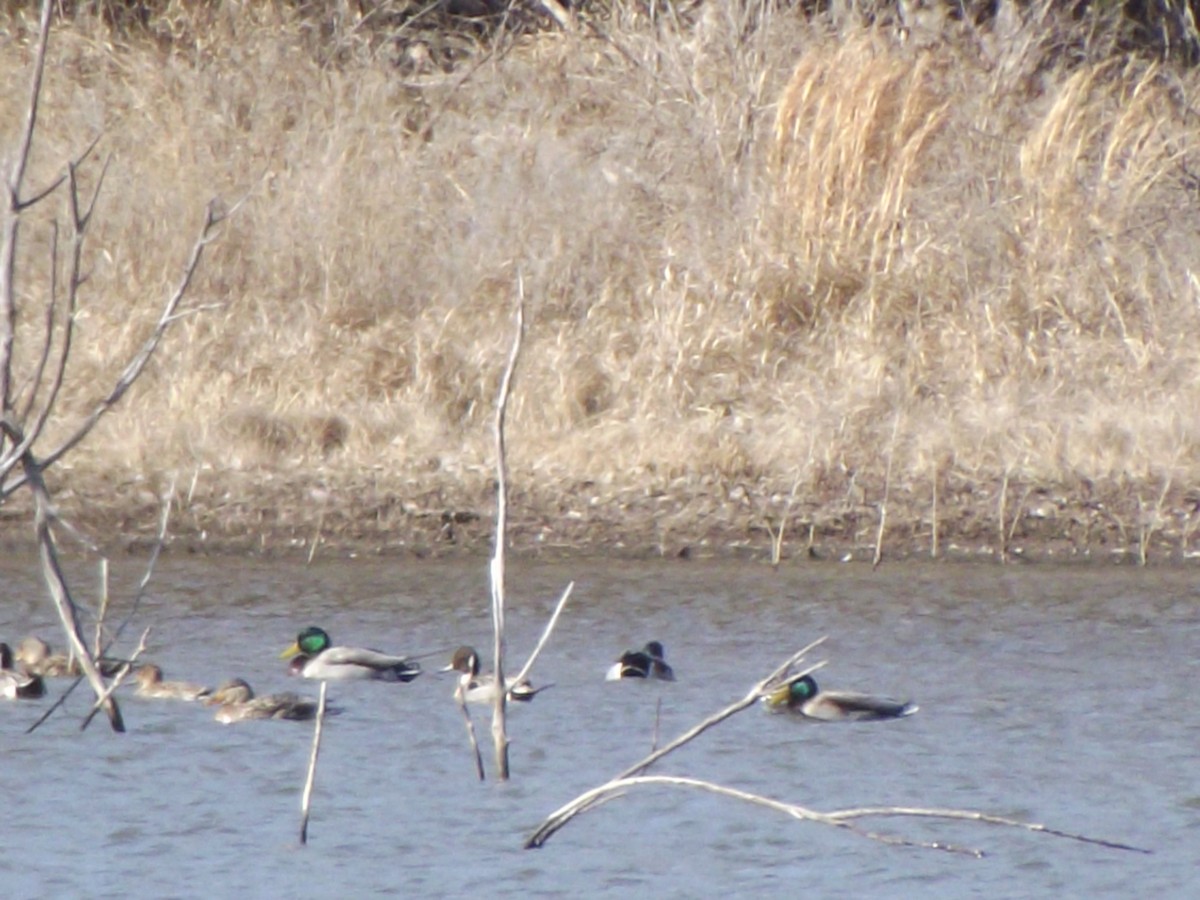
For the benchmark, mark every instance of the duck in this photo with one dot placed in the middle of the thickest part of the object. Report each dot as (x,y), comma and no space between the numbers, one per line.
(803,698)
(237,702)
(329,663)
(476,688)
(150,684)
(16,684)
(36,657)
(649,662)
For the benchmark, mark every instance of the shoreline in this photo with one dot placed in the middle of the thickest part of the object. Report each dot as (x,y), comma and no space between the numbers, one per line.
(691,517)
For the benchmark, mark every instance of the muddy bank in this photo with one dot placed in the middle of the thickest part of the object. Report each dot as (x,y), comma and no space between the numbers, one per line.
(687,517)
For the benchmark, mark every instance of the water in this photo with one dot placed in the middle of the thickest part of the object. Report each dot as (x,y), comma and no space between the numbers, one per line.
(1056,695)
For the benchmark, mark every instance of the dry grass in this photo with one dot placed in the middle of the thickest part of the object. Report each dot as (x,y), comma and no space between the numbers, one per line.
(749,242)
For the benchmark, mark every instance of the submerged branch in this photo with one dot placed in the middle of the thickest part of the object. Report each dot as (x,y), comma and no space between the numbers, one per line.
(842,818)
(585,801)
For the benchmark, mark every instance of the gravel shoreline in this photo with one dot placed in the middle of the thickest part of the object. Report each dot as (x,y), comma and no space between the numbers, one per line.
(686,518)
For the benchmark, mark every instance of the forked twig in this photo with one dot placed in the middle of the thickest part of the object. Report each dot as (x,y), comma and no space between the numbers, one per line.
(118,679)
(631,777)
(585,801)
(137,599)
(60,593)
(142,357)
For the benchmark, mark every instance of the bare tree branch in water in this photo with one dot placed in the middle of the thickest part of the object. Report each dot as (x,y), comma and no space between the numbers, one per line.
(499,706)
(118,679)
(103,651)
(310,780)
(461,700)
(843,818)
(25,411)
(840,818)
(499,735)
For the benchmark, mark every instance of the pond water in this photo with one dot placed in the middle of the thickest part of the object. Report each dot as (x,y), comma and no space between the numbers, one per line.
(1056,695)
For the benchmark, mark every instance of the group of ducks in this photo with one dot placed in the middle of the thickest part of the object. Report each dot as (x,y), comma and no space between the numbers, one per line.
(314,655)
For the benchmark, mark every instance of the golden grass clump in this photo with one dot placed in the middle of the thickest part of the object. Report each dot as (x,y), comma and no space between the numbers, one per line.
(755,247)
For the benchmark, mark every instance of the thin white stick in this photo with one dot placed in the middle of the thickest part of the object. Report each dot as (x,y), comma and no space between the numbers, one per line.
(462,707)
(499,735)
(838,818)
(755,693)
(99,639)
(125,669)
(137,600)
(306,797)
(556,821)
(524,673)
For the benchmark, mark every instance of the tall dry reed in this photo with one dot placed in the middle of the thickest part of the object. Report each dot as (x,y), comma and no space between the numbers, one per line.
(750,241)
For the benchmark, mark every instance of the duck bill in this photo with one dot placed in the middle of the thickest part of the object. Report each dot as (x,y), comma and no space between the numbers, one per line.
(777,699)
(292,650)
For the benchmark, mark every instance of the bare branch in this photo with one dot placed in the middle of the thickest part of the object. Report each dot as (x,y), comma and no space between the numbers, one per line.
(163,522)
(60,369)
(35,381)
(462,707)
(140,359)
(524,673)
(585,801)
(125,669)
(838,818)
(137,600)
(306,796)
(975,816)
(499,737)
(617,787)
(12,215)
(759,690)
(21,161)
(56,582)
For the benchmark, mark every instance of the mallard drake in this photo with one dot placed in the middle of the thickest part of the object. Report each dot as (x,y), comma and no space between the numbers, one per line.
(804,698)
(327,663)
(35,657)
(150,684)
(649,662)
(16,684)
(237,703)
(476,688)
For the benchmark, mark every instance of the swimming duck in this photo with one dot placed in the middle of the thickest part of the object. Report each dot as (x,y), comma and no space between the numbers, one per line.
(16,684)
(35,657)
(150,684)
(649,662)
(476,688)
(327,662)
(238,704)
(804,698)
